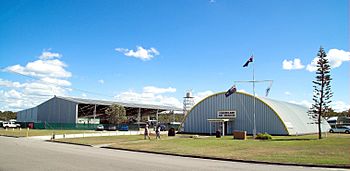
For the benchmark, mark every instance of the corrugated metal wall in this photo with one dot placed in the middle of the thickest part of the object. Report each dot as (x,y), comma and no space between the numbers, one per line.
(57,110)
(266,119)
(28,115)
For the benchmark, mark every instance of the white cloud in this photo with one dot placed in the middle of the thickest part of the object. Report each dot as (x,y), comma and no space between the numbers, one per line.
(7,83)
(28,94)
(141,53)
(39,87)
(292,65)
(46,54)
(201,95)
(313,66)
(50,77)
(150,95)
(337,106)
(335,56)
(157,90)
(340,106)
(101,81)
(14,100)
(287,93)
(84,95)
(43,89)
(12,94)
(56,81)
(42,68)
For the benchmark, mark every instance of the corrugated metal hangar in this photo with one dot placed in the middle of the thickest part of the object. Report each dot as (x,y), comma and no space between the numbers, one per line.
(235,112)
(77,110)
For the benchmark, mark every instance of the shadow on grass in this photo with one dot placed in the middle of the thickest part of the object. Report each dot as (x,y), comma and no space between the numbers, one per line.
(295,139)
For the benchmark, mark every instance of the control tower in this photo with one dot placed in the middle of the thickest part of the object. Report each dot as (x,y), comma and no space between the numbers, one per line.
(188,102)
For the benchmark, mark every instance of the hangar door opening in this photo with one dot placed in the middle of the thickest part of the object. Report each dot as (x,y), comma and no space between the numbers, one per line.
(222,125)
(224,122)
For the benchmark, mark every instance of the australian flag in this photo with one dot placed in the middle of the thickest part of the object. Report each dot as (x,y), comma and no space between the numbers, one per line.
(249,61)
(232,90)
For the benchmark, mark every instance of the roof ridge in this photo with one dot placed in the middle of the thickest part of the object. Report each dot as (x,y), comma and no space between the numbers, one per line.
(130,104)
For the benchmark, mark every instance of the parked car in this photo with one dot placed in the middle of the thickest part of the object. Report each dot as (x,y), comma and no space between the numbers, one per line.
(162,127)
(10,124)
(123,128)
(111,128)
(100,128)
(340,129)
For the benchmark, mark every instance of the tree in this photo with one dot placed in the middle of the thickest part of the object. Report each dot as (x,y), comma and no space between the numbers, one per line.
(117,114)
(331,113)
(167,118)
(344,113)
(322,90)
(7,115)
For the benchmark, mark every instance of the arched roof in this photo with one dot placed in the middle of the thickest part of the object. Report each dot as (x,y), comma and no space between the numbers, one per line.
(294,117)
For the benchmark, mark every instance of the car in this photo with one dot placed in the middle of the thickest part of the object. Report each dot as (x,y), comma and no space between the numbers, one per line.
(162,127)
(111,128)
(10,124)
(100,128)
(340,129)
(123,128)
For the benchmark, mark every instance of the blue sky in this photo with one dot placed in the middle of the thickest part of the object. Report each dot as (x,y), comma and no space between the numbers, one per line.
(154,51)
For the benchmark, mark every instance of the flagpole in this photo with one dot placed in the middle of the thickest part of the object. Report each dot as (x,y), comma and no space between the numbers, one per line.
(228,93)
(254,129)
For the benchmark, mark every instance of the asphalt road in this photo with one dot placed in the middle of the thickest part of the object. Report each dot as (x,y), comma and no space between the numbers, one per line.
(27,154)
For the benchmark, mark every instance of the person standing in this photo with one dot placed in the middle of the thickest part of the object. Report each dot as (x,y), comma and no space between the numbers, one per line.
(146,134)
(158,132)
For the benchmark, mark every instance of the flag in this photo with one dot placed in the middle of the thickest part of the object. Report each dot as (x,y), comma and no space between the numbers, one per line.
(249,60)
(268,88)
(267,91)
(231,91)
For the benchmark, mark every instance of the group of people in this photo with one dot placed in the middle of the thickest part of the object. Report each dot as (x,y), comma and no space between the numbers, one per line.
(147,131)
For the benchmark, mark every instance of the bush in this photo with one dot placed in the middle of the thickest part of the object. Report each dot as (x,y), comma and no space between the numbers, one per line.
(264,136)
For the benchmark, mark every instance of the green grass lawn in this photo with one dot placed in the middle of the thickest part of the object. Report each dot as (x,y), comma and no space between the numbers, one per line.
(37,132)
(333,150)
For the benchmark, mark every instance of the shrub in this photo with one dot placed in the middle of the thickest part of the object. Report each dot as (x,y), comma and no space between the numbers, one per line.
(171,132)
(264,136)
